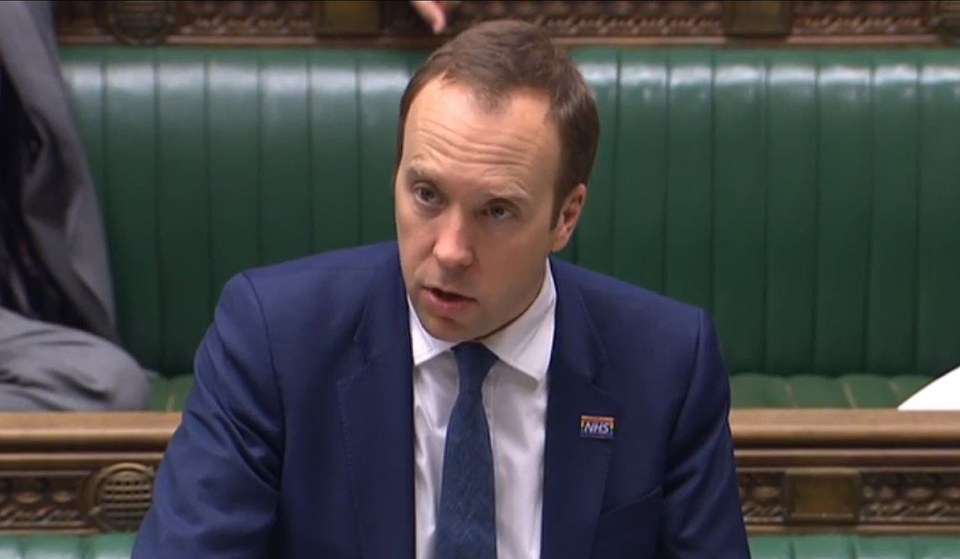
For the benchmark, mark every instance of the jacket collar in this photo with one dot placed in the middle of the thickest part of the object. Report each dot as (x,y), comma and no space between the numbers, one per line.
(376,407)
(575,466)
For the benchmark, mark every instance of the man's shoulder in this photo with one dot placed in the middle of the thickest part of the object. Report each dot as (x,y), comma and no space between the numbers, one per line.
(343,273)
(361,259)
(616,297)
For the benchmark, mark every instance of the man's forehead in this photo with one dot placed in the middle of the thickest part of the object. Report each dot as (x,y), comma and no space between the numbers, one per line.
(482,98)
(452,108)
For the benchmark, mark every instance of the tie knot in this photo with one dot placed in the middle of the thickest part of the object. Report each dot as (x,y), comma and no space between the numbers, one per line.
(474,361)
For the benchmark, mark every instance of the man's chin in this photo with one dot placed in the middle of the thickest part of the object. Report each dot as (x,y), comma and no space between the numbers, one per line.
(445,329)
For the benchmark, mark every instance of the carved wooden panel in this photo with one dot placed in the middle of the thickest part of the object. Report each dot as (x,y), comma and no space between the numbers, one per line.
(393,23)
(798,470)
(113,498)
(928,497)
(885,499)
(761,496)
(876,471)
(578,19)
(109,499)
(274,19)
(79,473)
(117,496)
(859,18)
(41,500)
(947,19)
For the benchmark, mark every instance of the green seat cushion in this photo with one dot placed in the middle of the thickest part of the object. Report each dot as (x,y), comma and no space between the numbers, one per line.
(104,546)
(832,546)
(170,393)
(852,390)
(842,546)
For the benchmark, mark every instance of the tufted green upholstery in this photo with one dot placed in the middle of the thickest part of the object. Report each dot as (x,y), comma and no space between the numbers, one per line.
(853,547)
(118,546)
(170,393)
(106,546)
(809,199)
(853,390)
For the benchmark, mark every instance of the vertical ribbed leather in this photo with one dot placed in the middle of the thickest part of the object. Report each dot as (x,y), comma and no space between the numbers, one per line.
(791,220)
(809,199)
(785,191)
(640,178)
(182,209)
(211,161)
(131,189)
(894,222)
(595,239)
(739,177)
(843,217)
(334,165)
(688,272)
(938,302)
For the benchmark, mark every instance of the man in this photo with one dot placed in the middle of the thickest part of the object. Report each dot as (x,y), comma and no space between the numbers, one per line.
(458,393)
(58,341)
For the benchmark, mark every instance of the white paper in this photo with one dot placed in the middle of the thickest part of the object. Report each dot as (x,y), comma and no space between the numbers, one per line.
(943,394)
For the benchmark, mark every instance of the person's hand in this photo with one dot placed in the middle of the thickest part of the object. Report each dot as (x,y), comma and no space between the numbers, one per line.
(435,13)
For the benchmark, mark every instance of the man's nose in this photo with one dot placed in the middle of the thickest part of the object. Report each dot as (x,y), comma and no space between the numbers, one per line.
(453,247)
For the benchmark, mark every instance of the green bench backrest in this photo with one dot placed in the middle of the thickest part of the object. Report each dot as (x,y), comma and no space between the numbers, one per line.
(809,199)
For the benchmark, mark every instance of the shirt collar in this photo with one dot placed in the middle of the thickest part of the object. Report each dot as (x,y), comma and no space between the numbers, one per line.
(524,345)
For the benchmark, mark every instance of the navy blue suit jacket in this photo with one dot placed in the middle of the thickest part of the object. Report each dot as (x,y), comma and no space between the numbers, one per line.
(297,439)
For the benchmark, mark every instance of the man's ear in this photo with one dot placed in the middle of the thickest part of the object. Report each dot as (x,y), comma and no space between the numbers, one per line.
(569,217)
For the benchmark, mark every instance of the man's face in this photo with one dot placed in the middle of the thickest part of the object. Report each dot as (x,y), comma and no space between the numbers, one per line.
(474,193)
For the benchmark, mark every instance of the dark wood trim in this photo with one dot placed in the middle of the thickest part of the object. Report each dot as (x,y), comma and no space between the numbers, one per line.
(393,24)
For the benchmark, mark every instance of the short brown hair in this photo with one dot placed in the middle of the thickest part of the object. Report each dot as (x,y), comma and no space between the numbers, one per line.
(497,58)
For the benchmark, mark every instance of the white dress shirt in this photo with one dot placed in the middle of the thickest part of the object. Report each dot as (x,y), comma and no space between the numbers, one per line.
(515,399)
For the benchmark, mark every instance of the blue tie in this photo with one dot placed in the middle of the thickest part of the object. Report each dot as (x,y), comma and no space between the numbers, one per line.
(466,522)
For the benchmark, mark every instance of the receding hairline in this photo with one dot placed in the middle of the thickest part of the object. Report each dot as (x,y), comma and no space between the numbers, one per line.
(492,102)
(534,109)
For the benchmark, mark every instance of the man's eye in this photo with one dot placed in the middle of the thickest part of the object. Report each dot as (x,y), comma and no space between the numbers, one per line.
(426,195)
(498,211)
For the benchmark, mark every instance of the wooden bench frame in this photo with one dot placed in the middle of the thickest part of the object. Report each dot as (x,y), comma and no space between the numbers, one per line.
(879,471)
(868,471)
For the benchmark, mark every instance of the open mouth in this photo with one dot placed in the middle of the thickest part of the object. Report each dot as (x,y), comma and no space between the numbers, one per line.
(447,296)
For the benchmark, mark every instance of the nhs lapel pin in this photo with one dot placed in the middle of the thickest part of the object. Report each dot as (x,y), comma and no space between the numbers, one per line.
(597,427)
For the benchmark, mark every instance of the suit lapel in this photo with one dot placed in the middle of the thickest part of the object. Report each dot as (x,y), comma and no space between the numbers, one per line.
(376,406)
(575,468)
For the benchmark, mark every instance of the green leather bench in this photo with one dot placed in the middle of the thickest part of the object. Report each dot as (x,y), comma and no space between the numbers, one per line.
(854,547)
(107,546)
(809,198)
(118,546)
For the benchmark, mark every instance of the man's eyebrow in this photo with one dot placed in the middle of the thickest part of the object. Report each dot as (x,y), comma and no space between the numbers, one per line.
(418,171)
(508,191)
(511,193)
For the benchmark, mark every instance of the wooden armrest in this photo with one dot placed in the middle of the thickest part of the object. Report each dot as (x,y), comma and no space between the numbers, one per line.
(87,432)
(871,471)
